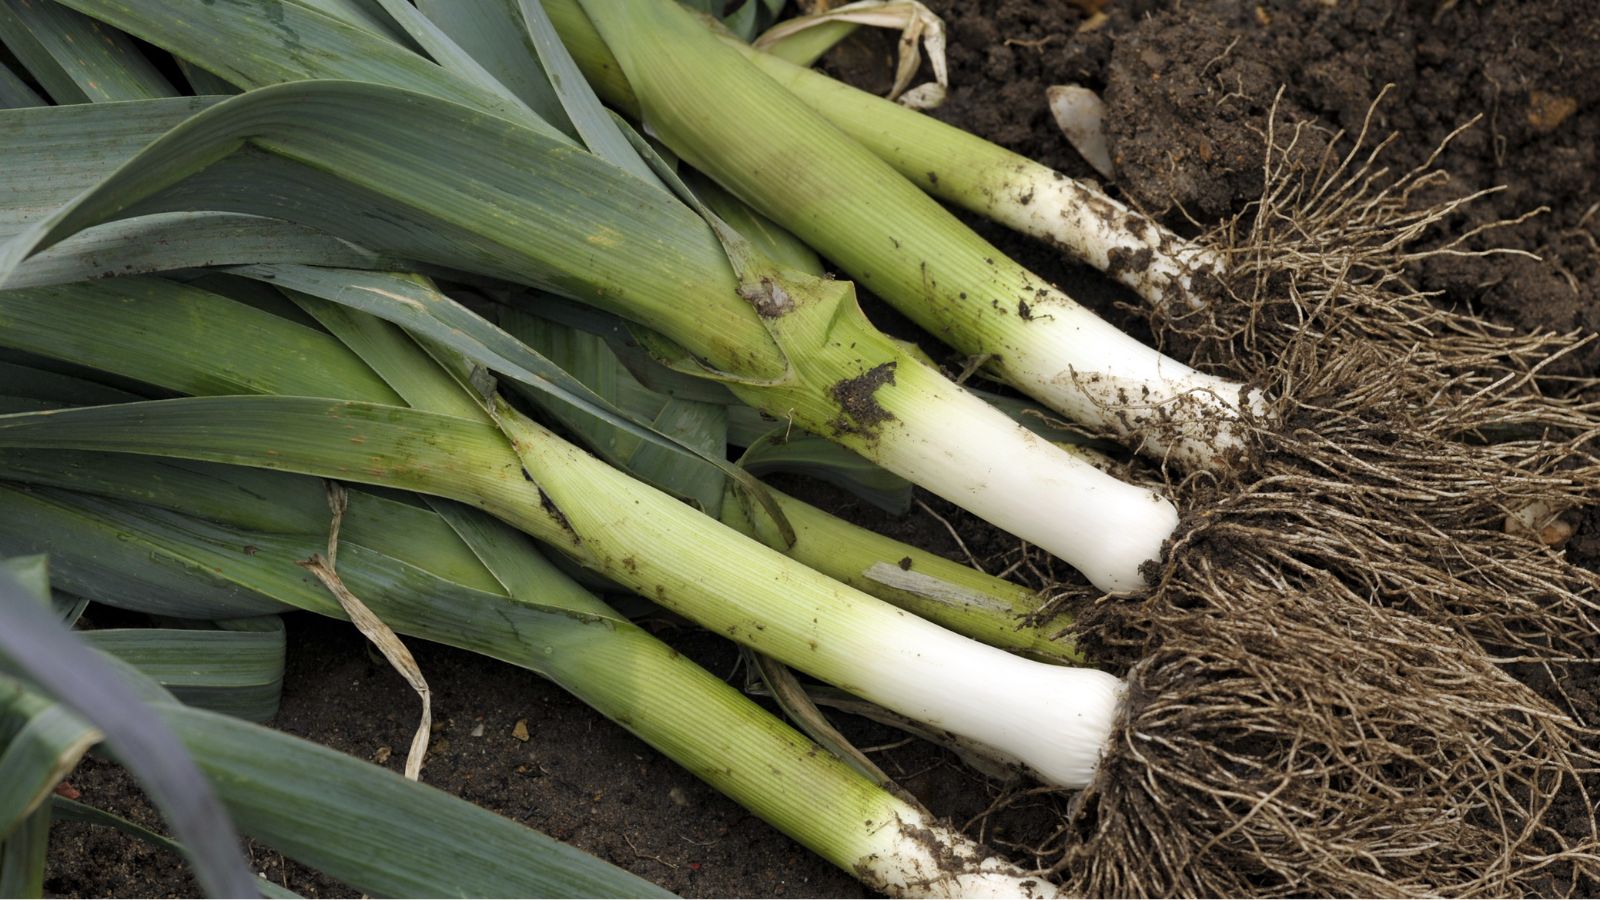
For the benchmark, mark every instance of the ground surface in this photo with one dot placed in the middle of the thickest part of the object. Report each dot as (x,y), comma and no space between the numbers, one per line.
(1188,87)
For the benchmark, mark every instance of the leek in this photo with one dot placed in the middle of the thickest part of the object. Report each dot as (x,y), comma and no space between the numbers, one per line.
(836,195)
(959,168)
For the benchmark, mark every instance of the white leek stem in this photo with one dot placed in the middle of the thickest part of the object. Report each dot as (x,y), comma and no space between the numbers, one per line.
(1092,227)
(913,857)
(1074,362)
(961,448)
(1052,720)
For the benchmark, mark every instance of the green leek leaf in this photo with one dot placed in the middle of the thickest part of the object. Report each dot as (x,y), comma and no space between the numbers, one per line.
(239,673)
(252,44)
(14,92)
(148,329)
(75,58)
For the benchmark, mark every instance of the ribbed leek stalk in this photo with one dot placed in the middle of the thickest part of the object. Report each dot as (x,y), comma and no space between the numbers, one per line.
(714,109)
(956,166)
(1054,721)
(564,634)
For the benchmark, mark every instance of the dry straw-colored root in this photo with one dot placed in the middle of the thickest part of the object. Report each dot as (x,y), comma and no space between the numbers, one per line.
(1419,454)
(1320,704)
(1284,741)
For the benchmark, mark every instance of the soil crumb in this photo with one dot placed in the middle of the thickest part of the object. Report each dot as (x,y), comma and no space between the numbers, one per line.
(858,400)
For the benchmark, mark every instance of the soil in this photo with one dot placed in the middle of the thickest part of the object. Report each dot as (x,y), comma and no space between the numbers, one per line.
(862,413)
(1189,86)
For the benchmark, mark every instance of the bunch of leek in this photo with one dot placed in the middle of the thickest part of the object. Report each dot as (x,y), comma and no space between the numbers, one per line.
(450,575)
(884,864)
(1058,721)
(440,164)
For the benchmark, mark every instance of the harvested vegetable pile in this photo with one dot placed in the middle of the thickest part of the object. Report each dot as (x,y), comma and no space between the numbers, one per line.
(394,321)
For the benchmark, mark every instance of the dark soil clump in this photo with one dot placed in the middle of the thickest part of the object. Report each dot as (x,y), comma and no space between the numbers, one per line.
(1189,93)
(857,398)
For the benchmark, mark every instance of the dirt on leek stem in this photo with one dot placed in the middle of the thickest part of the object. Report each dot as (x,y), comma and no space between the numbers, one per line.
(837,195)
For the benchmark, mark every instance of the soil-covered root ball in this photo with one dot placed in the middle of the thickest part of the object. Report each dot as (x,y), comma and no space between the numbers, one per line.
(1424,457)
(1284,738)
